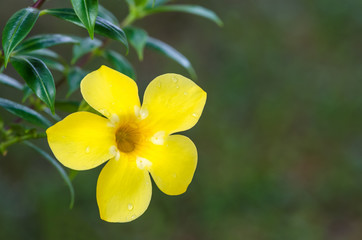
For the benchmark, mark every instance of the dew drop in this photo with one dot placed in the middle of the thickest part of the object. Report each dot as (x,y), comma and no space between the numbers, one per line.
(143,114)
(174,79)
(194,114)
(87,150)
(158,138)
(130,206)
(133,216)
(177,86)
(185,93)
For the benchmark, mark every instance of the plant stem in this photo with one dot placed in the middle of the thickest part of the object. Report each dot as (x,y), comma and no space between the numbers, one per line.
(128,20)
(38,4)
(6,144)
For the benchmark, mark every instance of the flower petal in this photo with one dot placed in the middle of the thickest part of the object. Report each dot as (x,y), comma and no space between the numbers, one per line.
(173,103)
(82,140)
(123,191)
(173,164)
(110,92)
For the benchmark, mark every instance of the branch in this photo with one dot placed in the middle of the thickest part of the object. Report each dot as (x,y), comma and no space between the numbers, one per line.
(38,4)
(6,144)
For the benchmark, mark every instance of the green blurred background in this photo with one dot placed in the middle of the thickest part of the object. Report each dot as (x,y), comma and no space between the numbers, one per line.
(279,141)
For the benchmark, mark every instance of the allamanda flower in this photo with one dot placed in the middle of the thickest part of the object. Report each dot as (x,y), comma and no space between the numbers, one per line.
(137,139)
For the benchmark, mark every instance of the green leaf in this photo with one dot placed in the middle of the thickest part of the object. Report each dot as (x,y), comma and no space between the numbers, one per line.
(45,41)
(59,168)
(52,64)
(120,63)
(50,58)
(16,29)
(25,113)
(106,14)
(87,11)
(9,81)
(84,106)
(50,114)
(192,9)
(74,78)
(27,92)
(102,27)
(137,38)
(168,51)
(38,77)
(67,106)
(45,53)
(86,45)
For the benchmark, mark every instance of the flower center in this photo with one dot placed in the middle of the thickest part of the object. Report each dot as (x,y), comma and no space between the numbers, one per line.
(127,137)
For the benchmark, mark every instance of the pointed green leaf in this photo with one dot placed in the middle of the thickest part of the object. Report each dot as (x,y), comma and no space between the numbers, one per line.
(38,77)
(102,26)
(45,53)
(85,107)
(86,45)
(45,41)
(137,38)
(59,168)
(120,63)
(67,106)
(168,51)
(74,78)
(87,11)
(25,113)
(27,92)
(108,15)
(192,9)
(50,58)
(5,79)
(16,29)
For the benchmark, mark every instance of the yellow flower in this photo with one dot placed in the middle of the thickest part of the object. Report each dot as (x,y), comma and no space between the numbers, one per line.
(137,139)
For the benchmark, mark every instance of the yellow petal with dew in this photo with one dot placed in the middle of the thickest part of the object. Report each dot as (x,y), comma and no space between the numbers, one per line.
(110,92)
(123,191)
(172,103)
(173,164)
(82,140)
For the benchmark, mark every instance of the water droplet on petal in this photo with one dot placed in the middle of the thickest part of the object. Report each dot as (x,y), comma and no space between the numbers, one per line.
(174,79)
(158,138)
(143,114)
(133,216)
(130,206)
(87,150)
(143,163)
(177,86)
(185,93)
(194,114)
